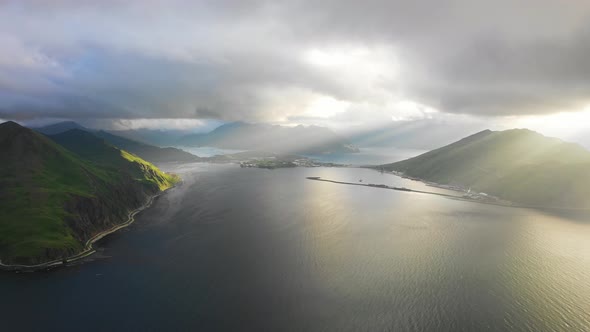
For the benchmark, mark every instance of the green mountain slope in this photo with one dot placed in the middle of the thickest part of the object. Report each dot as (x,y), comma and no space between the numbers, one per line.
(518,165)
(148,152)
(100,152)
(52,200)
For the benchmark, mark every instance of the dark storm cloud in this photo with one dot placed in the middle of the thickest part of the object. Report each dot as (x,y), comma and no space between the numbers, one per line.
(493,76)
(245,60)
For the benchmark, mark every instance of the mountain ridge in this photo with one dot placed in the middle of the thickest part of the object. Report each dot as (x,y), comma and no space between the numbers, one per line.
(59,127)
(146,151)
(519,165)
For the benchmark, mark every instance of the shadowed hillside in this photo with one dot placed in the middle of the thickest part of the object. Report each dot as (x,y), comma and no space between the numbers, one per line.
(147,152)
(59,127)
(518,165)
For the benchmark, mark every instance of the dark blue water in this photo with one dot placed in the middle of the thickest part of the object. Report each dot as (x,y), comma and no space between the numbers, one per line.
(267,250)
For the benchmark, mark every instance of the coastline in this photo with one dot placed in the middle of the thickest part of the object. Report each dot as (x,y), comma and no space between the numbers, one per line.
(453,197)
(88,246)
(380,186)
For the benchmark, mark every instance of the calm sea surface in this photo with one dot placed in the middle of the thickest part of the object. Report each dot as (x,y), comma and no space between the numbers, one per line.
(267,250)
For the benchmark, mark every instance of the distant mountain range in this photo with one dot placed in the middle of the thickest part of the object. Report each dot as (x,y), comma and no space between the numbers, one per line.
(148,152)
(60,127)
(57,193)
(517,165)
(273,138)
(157,137)
(235,135)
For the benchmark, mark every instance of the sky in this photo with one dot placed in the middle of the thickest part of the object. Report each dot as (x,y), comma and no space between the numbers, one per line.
(341,64)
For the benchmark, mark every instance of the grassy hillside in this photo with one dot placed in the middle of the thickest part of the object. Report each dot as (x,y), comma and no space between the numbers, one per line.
(519,165)
(145,151)
(100,152)
(52,200)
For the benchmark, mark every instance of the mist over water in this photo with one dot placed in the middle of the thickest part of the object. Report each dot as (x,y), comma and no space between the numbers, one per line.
(207,151)
(368,156)
(267,250)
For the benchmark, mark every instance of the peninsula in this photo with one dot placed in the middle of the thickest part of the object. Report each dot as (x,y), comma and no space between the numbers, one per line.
(58,194)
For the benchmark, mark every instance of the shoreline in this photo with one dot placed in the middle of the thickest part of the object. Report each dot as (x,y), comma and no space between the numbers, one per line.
(453,197)
(381,186)
(88,245)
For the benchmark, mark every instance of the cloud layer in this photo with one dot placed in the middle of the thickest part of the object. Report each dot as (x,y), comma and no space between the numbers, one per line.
(293,61)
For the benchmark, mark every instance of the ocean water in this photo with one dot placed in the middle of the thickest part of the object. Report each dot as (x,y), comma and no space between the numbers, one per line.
(237,249)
